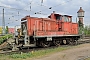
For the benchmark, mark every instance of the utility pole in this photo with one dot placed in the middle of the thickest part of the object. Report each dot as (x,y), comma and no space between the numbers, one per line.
(3,23)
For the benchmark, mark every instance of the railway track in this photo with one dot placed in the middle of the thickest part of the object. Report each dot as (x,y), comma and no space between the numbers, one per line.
(30,49)
(84,40)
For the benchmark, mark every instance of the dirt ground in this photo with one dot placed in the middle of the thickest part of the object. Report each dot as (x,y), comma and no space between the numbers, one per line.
(78,53)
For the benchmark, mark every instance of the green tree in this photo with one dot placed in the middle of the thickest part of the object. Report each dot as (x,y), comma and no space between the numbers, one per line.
(6,29)
(80,24)
(87,30)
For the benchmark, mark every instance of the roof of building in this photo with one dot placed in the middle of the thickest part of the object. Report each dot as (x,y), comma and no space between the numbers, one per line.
(80,10)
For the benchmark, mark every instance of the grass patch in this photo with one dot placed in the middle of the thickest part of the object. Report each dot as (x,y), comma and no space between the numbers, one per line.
(34,54)
(37,53)
(87,59)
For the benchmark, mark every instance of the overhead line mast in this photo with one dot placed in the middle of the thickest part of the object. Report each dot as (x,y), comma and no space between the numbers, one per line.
(3,23)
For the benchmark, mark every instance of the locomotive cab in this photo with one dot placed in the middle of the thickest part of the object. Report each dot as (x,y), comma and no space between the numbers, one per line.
(61,20)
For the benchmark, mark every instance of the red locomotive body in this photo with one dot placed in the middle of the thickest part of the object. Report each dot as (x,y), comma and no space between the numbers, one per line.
(56,29)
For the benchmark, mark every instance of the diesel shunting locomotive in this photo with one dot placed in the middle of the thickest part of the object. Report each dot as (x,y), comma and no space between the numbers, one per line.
(57,29)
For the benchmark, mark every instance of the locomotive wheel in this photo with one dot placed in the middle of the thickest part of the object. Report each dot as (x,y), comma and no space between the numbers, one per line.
(57,43)
(45,43)
(73,42)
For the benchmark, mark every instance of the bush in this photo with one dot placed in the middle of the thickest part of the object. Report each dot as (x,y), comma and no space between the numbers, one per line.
(4,38)
(1,40)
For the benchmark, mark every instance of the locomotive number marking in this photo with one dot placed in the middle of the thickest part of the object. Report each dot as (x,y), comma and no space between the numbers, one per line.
(49,38)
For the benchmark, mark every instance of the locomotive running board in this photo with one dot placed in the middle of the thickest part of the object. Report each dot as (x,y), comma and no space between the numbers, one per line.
(54,36)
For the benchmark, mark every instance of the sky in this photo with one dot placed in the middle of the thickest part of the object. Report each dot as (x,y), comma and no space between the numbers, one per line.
(14,10)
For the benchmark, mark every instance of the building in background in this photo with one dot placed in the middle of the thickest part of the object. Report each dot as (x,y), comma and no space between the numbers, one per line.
(80,15)
(11,30)
(0,30)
